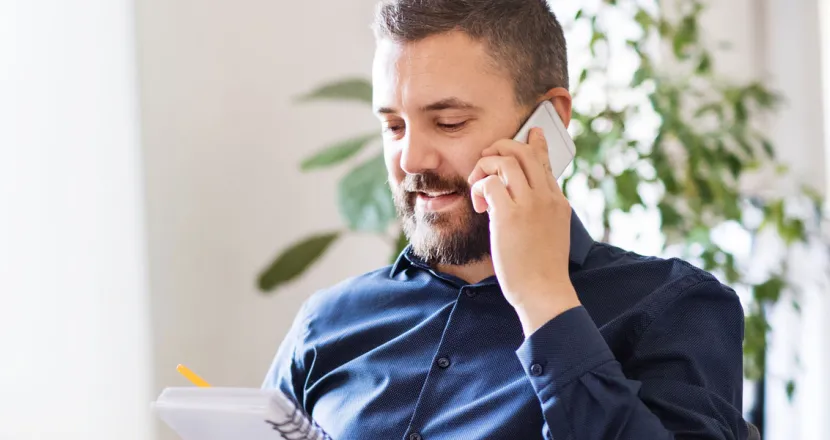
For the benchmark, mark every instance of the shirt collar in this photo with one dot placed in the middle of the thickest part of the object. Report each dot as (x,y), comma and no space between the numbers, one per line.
(581,243)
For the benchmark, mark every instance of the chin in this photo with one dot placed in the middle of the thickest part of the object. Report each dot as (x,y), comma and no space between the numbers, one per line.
(431,233)
(449,238)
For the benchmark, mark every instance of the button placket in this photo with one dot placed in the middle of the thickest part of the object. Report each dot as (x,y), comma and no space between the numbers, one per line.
(459,318)
(431,383)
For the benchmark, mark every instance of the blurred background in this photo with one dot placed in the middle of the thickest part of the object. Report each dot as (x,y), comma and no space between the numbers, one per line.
(150,175)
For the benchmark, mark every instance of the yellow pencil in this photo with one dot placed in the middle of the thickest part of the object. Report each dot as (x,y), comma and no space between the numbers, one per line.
(191,376)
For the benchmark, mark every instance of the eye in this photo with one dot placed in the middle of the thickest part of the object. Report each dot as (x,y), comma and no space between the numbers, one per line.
(452,127)
(393,127)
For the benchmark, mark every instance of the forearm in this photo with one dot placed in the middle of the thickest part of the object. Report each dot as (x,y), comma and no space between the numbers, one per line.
(585,395)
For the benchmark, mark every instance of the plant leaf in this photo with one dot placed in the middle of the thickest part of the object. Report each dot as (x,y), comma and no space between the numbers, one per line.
(755,344)
(664,28)
(334,154)
(705,65)
(686,35)
(731,272)
(627,189)
(640,75)
(790,390)
(588,144)
(293,261)
(768,148)
(597,36)
(365,199)
(350,89)
(643,19)
(669,217)
(769,291)
(792,231)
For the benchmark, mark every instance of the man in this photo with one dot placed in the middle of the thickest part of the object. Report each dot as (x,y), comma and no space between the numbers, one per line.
(503,319)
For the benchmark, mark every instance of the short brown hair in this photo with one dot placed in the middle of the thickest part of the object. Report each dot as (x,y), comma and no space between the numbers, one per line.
(522,36)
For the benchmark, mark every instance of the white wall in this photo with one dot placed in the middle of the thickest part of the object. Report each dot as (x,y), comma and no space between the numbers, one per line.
(74,330)
(222,144)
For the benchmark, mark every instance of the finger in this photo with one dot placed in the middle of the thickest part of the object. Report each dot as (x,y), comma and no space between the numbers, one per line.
(540,147)
(542,151)
(532,163)
(507,168)
(490,194)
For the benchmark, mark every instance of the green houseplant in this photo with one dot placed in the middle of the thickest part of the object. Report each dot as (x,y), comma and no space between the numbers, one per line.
(704,142)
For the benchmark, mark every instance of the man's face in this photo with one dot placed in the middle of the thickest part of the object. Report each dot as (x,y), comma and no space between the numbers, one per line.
(441,101)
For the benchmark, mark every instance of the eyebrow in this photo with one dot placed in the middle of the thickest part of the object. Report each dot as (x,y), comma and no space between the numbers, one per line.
(444,104)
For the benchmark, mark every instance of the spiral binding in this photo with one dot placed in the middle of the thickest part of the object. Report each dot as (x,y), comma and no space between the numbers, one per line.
(299,427)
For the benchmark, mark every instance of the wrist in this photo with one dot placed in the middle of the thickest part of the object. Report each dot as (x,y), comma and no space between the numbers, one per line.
(538,310)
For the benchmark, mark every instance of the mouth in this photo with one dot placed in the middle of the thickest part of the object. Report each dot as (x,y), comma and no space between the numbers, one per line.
(433,194)
(434,201)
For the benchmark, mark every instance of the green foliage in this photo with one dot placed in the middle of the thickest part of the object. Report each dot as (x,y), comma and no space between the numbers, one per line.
(292,262)
(365,198)
(337,153)
(756,328)
(351,89)
(790,389)
(705,142)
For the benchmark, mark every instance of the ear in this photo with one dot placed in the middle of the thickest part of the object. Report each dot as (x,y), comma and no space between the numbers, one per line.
(561,100)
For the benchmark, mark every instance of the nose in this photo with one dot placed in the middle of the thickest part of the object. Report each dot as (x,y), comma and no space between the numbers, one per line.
(418,155)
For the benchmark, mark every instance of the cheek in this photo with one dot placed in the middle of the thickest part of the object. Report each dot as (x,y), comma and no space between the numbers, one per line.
(392,158)
(464,156)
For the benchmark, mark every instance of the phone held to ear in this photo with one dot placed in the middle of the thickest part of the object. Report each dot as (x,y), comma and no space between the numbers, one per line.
(561,149)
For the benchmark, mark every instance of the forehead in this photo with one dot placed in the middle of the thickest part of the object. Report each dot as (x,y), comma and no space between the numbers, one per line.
(439,66)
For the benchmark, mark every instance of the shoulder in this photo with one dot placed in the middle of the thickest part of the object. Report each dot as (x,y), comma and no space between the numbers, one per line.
(626,283)
(649,272)
(349,290)
(349,300)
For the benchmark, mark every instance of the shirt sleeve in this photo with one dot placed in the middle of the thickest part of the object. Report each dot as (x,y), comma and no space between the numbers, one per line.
(288,369)
(682,379)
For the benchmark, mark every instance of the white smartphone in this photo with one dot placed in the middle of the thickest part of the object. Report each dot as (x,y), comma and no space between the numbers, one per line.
(561,147)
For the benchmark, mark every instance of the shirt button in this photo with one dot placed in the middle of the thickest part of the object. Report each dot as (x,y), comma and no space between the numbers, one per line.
(443,362)
(536,370)
(471,293)
(415,436)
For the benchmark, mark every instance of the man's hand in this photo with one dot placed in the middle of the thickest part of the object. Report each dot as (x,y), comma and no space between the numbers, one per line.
(529,228)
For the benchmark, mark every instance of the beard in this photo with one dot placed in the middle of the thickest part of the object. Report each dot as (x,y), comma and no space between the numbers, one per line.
(456,237)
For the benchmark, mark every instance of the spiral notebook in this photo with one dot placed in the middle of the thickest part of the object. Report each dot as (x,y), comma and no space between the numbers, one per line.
(234,413)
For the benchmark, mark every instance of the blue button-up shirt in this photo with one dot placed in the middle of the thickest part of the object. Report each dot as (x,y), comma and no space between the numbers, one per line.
(409,353)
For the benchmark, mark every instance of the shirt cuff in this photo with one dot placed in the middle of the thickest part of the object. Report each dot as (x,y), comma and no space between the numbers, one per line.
(563,349)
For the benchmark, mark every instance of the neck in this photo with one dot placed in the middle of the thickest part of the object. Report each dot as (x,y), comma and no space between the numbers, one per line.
(471,273)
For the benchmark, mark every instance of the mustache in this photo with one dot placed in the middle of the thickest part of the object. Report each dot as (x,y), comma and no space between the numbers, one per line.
(430,181)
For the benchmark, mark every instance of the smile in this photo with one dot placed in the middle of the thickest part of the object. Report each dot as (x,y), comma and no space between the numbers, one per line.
(436,201)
